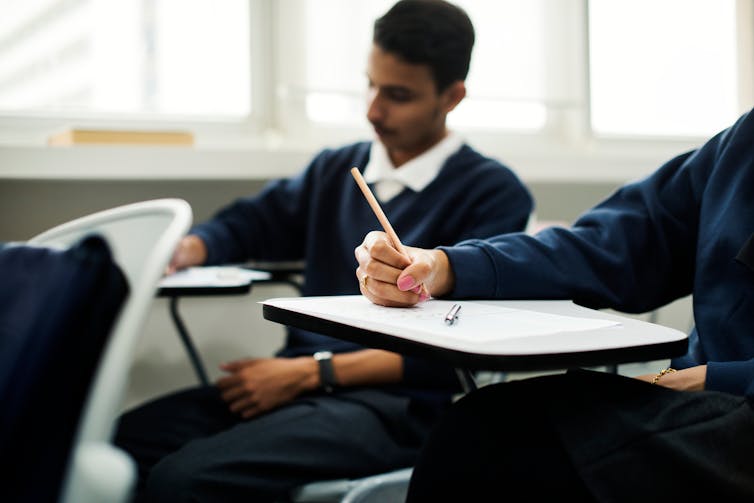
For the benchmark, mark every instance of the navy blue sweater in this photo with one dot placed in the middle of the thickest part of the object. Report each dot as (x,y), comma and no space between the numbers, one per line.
(681,230)
(320,216)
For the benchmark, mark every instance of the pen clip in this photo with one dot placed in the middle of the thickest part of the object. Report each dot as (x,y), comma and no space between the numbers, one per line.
(452,315)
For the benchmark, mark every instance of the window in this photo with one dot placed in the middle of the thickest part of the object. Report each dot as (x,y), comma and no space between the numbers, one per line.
(645,68)
(556,73)
(185,58)
(509,80)
(664,68)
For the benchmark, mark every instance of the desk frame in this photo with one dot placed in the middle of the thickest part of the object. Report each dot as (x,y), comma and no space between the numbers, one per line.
(287,274)
(173,295)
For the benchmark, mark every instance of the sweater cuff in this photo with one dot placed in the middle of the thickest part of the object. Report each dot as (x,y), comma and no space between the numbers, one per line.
(473,270)
(731,377)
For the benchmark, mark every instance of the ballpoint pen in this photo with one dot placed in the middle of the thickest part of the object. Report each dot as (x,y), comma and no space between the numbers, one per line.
(452,315)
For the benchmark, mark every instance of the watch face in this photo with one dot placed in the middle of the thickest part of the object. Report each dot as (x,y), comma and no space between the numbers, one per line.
(322,355)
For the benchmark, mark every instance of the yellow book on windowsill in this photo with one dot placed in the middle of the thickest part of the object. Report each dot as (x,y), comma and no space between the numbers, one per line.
(120,137)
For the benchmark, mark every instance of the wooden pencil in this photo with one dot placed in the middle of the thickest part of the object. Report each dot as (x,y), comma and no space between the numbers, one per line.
(377,209)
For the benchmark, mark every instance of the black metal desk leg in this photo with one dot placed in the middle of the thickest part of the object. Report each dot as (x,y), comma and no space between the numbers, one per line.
(467,380)
(188,343)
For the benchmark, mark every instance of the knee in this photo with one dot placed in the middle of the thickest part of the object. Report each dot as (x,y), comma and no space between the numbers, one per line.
(173,479)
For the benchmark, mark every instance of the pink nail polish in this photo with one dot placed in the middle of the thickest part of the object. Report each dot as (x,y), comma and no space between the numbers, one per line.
(423,297)
(406,283)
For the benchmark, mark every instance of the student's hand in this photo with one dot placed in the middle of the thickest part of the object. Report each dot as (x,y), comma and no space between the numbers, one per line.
(190,251)
(388,278)
(257,385)
(690,379)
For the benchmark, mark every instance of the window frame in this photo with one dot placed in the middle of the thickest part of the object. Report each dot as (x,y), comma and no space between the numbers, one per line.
(33,127)
(565,148)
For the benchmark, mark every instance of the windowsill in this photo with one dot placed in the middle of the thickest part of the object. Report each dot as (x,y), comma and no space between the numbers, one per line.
(531,157)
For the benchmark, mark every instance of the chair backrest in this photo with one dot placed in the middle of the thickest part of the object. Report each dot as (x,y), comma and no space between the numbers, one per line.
(57,310)
(142,237)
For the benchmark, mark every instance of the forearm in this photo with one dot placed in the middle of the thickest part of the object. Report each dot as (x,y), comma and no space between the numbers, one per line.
(367,367)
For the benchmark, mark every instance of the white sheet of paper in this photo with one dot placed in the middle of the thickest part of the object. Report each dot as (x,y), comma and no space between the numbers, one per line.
(219,276)
(477,323)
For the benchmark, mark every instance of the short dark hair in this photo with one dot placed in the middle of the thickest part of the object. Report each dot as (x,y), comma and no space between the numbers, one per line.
(431,32)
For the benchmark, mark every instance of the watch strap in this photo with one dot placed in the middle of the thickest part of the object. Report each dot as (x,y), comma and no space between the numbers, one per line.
(326,370)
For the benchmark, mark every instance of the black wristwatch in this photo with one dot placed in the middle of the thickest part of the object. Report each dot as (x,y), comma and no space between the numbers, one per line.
(326,371)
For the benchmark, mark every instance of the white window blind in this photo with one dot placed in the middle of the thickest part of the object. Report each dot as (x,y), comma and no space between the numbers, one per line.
(663,68)
(511,84)
(154,57)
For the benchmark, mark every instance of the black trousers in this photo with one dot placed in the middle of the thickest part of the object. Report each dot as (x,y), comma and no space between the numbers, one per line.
(589,436)
(189,447)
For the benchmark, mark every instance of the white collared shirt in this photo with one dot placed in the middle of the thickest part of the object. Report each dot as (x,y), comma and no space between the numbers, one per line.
(415,174)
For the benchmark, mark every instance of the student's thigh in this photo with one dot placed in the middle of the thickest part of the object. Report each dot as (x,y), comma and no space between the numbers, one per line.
(314,438)
(590,436)
(161,426)
(631,440)
(495,444)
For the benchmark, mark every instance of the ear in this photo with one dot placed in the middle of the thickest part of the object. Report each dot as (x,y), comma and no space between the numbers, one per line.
(453,95)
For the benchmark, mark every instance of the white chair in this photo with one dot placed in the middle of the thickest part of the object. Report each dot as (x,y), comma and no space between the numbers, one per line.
(390,487)
(142,238)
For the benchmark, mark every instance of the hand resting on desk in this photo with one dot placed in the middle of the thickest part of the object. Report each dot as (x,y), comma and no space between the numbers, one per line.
(393,281)
(190,251)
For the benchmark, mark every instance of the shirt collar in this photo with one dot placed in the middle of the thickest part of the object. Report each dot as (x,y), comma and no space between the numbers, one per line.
(416,173)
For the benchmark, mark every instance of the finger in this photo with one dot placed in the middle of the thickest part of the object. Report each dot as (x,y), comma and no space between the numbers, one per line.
(415,275)
(228,381)
(233,393)
(380,248)
(236,365)
(387,294)
(375,269)
(178,260)
(251,411)
(237,406)
(386,290)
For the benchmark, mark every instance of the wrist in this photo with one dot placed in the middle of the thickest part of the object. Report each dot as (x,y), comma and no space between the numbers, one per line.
(662,373)
(444,279)
(309,373)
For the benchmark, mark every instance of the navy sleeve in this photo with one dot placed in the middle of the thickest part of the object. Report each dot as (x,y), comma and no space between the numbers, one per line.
(268,226)
(499,203)
(633,252)
(731,377)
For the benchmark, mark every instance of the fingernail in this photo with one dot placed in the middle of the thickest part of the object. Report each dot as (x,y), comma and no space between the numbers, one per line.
(406,283)
(417,289)
(423,297)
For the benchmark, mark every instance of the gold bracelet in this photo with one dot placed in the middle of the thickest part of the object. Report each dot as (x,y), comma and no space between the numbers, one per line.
(662,373)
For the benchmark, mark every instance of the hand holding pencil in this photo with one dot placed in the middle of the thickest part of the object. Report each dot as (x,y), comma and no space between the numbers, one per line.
(398,262)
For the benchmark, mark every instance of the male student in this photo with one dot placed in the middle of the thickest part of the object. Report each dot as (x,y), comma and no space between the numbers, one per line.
(323,408)
(683,434)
